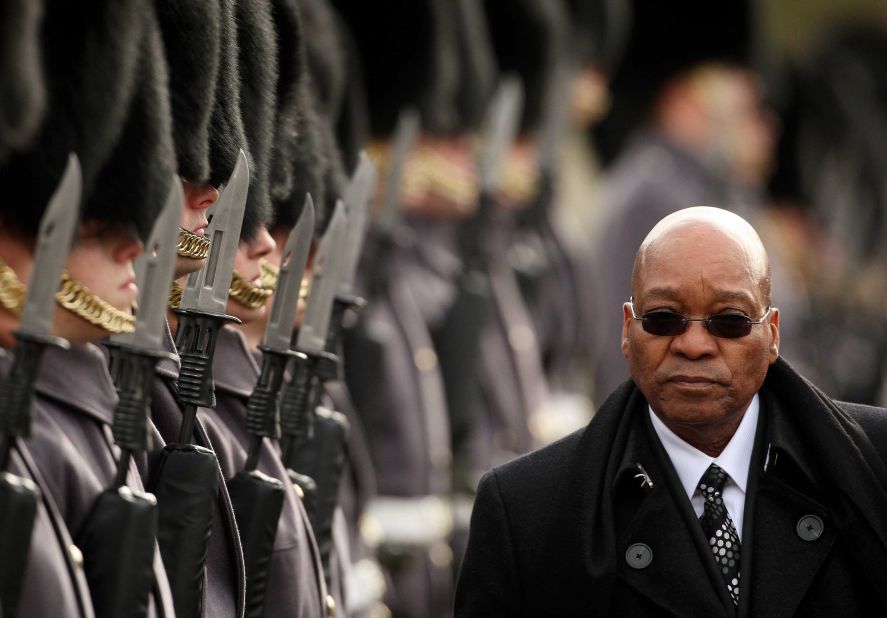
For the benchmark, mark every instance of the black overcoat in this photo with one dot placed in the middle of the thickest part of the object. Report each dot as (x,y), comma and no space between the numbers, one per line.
(575,529)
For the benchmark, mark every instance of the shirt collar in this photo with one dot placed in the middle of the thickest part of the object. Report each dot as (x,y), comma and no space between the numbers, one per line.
(691,464)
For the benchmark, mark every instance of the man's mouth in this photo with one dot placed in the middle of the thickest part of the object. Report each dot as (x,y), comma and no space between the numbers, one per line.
(692,382)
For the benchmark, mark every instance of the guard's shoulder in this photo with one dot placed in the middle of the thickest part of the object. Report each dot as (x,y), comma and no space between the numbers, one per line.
(873,421)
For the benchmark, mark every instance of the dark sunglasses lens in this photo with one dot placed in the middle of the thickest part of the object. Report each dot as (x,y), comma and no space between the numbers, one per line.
(729,326)
(664,323)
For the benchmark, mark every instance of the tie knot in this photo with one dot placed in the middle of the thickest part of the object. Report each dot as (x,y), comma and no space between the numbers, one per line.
(712,481)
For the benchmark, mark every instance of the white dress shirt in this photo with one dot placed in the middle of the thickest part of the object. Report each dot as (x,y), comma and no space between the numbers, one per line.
(691,464)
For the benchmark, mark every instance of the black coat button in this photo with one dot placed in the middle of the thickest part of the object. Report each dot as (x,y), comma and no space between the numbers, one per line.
(639,556)
(810,527)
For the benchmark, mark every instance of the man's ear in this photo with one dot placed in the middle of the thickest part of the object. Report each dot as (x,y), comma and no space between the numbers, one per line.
(626,324)
(773,325)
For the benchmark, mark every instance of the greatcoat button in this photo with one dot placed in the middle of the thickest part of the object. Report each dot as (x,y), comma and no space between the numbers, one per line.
(76,556)
(639,556)
(810,527)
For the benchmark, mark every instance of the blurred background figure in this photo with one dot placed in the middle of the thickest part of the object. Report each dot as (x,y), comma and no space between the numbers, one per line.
(687,124)
(829,199)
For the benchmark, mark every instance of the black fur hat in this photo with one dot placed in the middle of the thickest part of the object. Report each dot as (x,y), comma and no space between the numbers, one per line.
(597,31)
(407,51)
(139,171)
(191,40)
(529,38)
(325,54)
(665,39)
(353,123)
(257,55)
(309,161)
(22,94)
(91,52)
(226,133)
(290,99)
(477,63)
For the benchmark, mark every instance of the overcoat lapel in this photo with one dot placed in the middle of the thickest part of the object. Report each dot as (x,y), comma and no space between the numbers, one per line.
(782,565)
(682,573)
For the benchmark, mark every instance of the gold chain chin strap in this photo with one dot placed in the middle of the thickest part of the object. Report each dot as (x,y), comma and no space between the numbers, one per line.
(246,293)
(192,246)
(13,292)
(175,295)
(270,273)
(76,298)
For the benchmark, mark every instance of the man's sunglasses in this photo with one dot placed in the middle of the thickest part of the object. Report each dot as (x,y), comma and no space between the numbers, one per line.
(671,324)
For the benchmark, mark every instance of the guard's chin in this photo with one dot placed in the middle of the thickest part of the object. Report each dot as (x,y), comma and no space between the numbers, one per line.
(186,265)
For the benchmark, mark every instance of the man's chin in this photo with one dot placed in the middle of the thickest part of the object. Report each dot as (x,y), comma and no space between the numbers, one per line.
(186,266)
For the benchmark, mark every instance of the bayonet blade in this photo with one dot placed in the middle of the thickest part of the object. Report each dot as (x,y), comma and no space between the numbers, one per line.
(279,330)
(405,136)
(154,270)
(54,239)
(357,199)
(501,126)
(207,289)
(325,276)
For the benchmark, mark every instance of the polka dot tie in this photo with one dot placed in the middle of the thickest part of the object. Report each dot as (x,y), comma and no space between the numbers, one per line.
(719,528)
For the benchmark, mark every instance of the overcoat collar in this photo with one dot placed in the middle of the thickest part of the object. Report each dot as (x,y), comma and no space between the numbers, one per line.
(234,367)
(603,510)
(78,378)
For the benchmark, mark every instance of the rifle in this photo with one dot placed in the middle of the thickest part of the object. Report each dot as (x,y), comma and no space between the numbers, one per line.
(185,479)
(457,340)
(362,346)
(534,222)
(313,364)
(120,532)
(18,495)
(256,497)
(322,458)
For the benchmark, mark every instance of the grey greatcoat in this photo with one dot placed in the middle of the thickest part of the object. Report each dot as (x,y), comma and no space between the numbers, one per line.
(395,381)
(295,584)
(52,563)
(72,445)
(225,579)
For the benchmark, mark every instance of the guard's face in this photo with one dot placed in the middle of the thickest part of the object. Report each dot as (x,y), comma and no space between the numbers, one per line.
(247,263)
(697,379)
(102,260)
(198,199)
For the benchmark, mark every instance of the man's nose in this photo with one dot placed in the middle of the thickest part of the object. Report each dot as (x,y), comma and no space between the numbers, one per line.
(199,196)
(128,248)
(695,342)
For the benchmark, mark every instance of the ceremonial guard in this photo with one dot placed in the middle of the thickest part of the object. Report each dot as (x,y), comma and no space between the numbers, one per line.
(48,563)
(390,363)
(289,580)
(111,110)
(687,125)
(200,40)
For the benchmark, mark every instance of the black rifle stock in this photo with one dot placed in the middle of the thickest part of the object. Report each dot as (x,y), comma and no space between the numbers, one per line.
(119,534)
(256,497)
(185,478)
(18,496)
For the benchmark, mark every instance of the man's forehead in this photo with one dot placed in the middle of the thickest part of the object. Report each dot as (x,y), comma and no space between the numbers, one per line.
(715,248)
(723,294)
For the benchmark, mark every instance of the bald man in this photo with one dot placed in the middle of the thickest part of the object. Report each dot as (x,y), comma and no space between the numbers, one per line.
(715,482)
